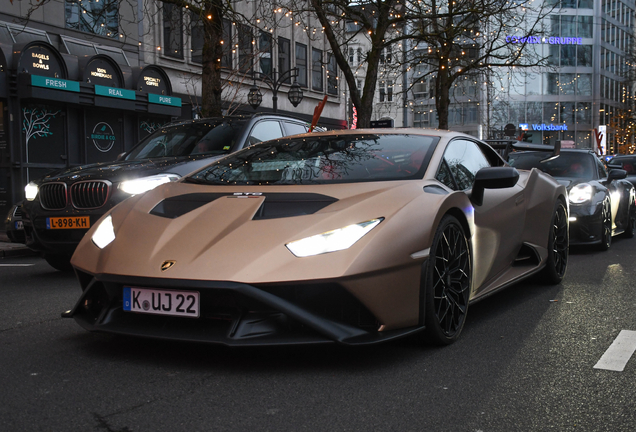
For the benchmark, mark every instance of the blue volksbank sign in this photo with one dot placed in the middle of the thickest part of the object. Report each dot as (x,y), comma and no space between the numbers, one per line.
(543,127)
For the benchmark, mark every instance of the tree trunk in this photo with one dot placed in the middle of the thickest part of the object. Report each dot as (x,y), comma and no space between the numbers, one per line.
(211,88)
(442,98)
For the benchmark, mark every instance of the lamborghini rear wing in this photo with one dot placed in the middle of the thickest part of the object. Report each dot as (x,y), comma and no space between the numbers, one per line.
(504,147)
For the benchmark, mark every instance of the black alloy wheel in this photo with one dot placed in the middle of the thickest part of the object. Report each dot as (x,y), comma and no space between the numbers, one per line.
(630,229)
(606,226)
(447,283)
(558,246)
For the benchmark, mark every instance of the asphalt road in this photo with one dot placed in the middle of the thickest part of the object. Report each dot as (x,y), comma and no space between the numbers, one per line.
(524,363)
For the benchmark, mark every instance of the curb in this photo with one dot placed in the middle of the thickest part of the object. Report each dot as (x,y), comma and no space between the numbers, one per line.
(8,249)
(18,251)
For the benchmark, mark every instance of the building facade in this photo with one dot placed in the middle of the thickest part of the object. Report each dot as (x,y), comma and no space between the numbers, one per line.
(82,81)
(585,91)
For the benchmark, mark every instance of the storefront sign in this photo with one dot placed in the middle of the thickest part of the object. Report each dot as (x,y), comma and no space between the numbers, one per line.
(543,127)
(153,80)
(114,92)
(553,40)
(100,71)
(55,83)
(41,59)
(164,100)
(103,137)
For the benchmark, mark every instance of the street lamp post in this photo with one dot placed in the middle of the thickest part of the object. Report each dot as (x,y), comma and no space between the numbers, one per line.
(295,93)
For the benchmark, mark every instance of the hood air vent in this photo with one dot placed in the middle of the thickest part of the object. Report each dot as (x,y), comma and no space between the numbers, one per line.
(276,205)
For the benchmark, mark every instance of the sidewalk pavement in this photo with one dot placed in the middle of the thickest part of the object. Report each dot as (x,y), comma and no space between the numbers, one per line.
(8,249)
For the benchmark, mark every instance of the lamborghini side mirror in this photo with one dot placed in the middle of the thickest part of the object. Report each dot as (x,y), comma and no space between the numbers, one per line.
(492,178)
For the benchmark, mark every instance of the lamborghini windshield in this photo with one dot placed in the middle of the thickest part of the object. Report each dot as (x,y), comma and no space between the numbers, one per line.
(324,159)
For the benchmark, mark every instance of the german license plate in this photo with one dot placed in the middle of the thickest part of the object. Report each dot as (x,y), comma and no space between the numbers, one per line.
(19,225)
(161,302)
(70,222)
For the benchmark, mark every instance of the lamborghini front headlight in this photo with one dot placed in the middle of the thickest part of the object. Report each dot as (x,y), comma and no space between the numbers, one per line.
(105,233)
(332,241)
(144,184)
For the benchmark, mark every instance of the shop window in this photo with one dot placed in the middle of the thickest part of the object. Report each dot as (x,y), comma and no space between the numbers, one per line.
(332,75)
(301,63)
(172,31)
(93,16)
(316,69)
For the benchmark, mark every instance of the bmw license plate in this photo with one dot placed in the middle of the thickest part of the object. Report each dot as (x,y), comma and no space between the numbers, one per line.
(161,302)
(71,222)
(19,225)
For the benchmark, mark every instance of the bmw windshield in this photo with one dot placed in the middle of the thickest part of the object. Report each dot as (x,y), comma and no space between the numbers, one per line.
(214,137)
(324,159)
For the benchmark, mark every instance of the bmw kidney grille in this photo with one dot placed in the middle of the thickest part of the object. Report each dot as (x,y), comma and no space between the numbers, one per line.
(53,196)
(89,194)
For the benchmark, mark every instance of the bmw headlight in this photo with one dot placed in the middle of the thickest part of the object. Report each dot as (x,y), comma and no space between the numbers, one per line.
(581,193)
(144,184)
(332,241)
(105,233)
(31,191)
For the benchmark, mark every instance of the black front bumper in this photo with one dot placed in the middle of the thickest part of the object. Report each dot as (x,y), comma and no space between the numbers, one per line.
(235,313)
(587,229)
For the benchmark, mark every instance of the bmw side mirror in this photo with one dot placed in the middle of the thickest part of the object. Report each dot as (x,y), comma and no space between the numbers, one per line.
(492,178)
(121,156)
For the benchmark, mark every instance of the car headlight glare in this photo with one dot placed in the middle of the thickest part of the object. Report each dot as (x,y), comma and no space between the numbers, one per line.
(31,191)
(105,233)
(581,193)
(332,241)
(144,184)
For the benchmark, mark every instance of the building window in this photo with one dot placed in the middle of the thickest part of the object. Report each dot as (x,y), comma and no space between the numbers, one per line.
(93,16)
(584,55)
(568,55)
(226,59)
(386,91)
(172,31)
(284,57)
(301,63)
(196,38)
(332,75)
(386,56)
(316,69)
(245,48)
(420,120)
(265,53)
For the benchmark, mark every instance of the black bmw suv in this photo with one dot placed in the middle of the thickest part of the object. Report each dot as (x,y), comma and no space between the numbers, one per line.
(60,207)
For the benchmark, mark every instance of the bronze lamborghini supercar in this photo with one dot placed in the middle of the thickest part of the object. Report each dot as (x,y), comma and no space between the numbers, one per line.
(355,237)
